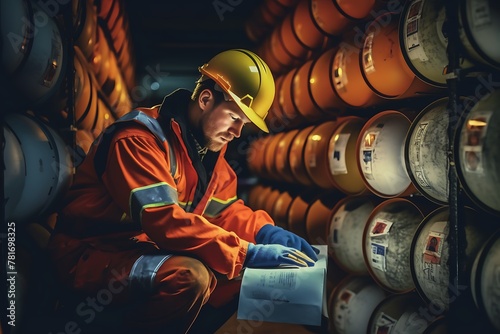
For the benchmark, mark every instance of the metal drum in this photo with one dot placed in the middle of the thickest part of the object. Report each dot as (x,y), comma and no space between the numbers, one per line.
(423,42)
(297,212)
(478,153)
(296,155)
(281,207)
(333,17)
(301,93)
(352,303)
(316,155)
(484,280)
(282,160)
(317,217)
(14,172)
(40,73)
(321,84)
(480,22)
(399,313)
(429,260)
(85,26)
(345,232)
(16,24)
(380,151)
(426,151)
(390,229)
(269,152)
(48,168)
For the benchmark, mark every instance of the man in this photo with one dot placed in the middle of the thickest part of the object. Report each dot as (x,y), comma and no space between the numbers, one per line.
(152,215)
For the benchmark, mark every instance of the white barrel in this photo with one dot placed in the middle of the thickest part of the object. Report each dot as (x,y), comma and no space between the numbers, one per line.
(352,303)
(430,254)
(423,42)
(14,172)
(399,313)
(345,232)
(380,150)
(49,167)
(15,22)
(484,280)
(478,153)
(480,22)
(41,72)
(426,151)
(390,229)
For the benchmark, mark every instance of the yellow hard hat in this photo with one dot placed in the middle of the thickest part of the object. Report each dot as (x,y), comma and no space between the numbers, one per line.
(247,79)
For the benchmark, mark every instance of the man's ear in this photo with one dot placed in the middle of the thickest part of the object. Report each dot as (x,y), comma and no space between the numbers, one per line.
(205,99)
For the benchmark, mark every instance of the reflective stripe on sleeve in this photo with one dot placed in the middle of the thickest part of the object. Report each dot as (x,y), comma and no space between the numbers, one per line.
(154,195)
(216,205)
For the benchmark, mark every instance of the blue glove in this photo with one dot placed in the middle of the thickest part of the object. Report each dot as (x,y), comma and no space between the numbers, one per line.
(266,256)
(270,234)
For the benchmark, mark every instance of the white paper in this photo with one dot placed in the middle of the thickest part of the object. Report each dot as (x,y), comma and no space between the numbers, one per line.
(286,295)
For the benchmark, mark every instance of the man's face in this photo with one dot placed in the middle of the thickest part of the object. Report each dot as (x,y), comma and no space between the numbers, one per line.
(221,124)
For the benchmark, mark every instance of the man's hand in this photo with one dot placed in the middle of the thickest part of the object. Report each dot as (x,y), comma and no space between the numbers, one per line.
(266,256)
(270,234)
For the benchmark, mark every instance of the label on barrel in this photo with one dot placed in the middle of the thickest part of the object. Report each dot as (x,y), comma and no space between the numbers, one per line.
(471,154)
(336,226)
(416,158)
(384,324)
(340,76)
(342,308)
(378,256)
(413,47)
(481,13)
(434,243)
(368,65)
(336,152)
(367,147)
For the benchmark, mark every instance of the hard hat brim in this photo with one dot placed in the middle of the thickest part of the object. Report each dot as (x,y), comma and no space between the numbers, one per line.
(250,113)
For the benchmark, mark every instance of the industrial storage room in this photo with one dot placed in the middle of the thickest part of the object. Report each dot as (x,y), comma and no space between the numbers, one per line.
(237,166)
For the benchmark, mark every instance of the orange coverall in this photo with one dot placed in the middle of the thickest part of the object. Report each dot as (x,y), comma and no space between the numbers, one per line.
(130,198)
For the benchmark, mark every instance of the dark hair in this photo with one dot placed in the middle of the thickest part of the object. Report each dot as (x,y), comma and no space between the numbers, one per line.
(207,84)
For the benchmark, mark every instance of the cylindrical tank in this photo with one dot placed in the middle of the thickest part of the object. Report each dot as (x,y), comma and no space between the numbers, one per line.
(380,151)
(429,260)
(478,154)
(296,156)
(390,229)
(352,303)
(345,232)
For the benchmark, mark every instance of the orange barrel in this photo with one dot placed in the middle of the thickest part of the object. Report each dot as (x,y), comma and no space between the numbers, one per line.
(85,26)
(16,35)
(280,209)
(321,86)
(282,161)
(301,93)
(291,115)
(484,280)
(383,58)
(14,171)
(345,232)
(279,51)
(477,33)
(390,229)
(85,94)
(264,50)
(290,40)
(306,29)
(380,151)
(275,120)
(317,217)
(104,117)
(101,58)
(48,165)
(297,212)
(400,313)
(352,303)
(296,156)
(330,157)
(425,152)
(478,154)
(270,156)
(84,140)
(255,158)
(340,155)
(317,154)
(254,194)
(43,66)
(333,17)
(270,200)
(429,259)
(261,199)
(348,80)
